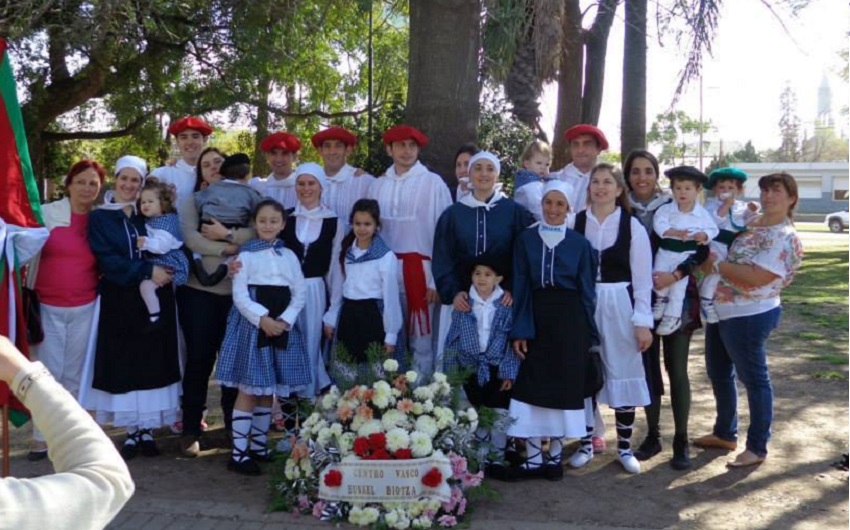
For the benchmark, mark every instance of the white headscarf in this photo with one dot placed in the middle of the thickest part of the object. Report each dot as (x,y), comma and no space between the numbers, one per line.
(126,161)
(554,234)
(314,170)
(486,155)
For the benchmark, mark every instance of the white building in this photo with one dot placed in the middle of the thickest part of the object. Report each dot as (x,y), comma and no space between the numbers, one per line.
(823,186)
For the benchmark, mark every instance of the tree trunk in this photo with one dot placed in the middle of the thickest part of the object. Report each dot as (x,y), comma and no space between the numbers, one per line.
(633,111)
(569,81)
(443,89)
(260,167)
(522,85)
(594,73)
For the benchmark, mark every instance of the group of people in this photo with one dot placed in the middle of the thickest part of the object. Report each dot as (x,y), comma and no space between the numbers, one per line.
(557,300)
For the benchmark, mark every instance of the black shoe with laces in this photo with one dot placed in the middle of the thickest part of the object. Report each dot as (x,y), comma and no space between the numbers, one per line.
(129,451)
(650,447)
(681,461)
(263,455)
(245,467)
(149,448)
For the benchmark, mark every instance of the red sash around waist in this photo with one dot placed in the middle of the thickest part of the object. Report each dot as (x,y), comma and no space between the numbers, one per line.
(413,270)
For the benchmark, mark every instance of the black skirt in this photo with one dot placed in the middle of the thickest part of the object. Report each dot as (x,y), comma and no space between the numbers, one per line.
(276,299)
(553,372)
(132,354)
(361,324)
(488,395)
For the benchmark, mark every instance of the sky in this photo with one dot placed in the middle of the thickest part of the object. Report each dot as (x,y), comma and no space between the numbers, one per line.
(753,59)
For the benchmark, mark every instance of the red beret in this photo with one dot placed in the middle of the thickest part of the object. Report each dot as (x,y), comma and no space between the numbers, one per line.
(399,133)
(190,122)
(334,133)
(577,130)
(281,140)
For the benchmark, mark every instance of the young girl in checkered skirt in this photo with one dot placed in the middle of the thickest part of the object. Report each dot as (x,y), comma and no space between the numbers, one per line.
(263,351)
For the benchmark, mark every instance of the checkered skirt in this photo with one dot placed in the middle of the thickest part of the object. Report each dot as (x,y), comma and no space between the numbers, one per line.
(175,261)
(259,370)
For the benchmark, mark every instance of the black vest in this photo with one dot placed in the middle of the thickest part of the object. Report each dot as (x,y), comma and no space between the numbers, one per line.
(614,260)
(316,258)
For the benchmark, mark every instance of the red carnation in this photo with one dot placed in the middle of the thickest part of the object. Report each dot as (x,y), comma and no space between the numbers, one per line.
(381,454)
(361,446)
(333,479)
(377,441)
(403,454)
(433,478)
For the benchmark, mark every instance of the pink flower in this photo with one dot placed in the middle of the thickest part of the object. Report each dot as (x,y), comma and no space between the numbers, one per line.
(447,521)
(461,507)
(303,502)
(345,413)
(364,412)
(317,509)
(405,405)
(471,480)
(458,465)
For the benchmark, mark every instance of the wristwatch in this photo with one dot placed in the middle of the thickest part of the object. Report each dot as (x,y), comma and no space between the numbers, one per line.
(229,236)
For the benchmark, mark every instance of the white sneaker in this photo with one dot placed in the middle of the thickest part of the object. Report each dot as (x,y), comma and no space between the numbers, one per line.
(658,307)
(580,459)
(668,325)
(708,311)
(630,463)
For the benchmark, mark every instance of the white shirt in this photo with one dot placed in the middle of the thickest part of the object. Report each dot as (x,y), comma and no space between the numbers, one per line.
(603,236)
(410,205)
(377,279)
(741,214)
(484,311)
(266,267)
(281,190)
(343,190)
(697,220)
(182,175)
(531,196)
(160,241)
(579,181)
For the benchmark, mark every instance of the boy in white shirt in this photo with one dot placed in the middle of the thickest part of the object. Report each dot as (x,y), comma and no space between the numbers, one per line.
(684,226)
(281,152)
(190,134)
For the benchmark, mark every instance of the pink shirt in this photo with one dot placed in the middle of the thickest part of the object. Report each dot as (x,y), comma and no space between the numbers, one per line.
(67,272)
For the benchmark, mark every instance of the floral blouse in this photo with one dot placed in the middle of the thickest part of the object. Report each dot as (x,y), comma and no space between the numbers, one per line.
(776,249)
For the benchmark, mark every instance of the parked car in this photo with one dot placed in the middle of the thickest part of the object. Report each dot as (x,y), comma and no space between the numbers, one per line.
(837,221)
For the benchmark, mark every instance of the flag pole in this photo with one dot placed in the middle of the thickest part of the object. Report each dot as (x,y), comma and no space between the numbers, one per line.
(5,441)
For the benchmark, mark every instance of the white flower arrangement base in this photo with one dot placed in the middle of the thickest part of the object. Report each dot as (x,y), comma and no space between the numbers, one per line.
(369,481)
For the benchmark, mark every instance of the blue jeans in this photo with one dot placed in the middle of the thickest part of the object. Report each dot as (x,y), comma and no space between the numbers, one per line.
(736,348)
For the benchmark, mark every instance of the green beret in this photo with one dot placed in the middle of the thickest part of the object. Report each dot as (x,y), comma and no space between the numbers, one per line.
(725,173)
(686,173)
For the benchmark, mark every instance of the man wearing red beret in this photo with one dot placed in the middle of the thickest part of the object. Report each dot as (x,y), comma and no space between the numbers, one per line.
(411,200)
(346,184)
(190,134)
(281,152)
(586,142)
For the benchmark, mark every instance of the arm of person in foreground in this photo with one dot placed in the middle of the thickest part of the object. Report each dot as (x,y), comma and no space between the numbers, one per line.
(92,482)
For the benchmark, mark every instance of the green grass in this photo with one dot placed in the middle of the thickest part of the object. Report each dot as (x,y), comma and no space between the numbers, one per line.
(816,302)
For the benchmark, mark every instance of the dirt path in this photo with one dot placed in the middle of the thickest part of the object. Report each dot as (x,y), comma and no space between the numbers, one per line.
(795,488)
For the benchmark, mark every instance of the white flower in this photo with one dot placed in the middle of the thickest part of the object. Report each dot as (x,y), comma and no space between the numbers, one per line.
(355,516)
(417,409)
(396,393)
(422,522)
(391,518)
(411,376)
(397,439)
(381,401)
(445,417)
(472,414)
(394,418)
(336,429)
(346,442)
(370,427)
(291,470)
(324,436)
(440,377)
(382,387)
(428,406)
(427,425)
(423,393)
(390,365)
(420,444)
(370,515)
(329,401)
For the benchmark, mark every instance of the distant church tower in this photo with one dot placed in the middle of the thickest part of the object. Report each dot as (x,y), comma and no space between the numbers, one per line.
(824,118)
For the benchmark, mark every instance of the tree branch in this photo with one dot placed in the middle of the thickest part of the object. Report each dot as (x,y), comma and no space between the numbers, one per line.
(51,136)
(281,113)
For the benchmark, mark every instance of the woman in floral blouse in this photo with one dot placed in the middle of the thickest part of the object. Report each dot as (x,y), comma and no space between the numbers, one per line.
(761,262)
